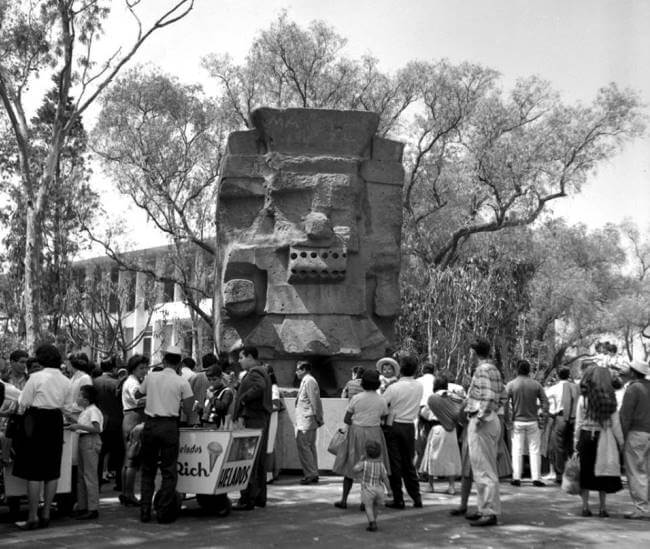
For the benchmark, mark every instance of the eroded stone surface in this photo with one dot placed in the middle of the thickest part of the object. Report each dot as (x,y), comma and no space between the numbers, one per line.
(311,201)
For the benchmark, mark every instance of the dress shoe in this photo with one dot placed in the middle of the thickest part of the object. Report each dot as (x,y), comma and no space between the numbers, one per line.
(539,483)
(372,527)
(586,513)
(341,504)
(89,515)
(603,513)
(79,512)
(309,480)
(487,520)
(473,516)
(515,482)
(145,513)
(261,504)
(417,503)
(243,506)
(458,512)
(395,504)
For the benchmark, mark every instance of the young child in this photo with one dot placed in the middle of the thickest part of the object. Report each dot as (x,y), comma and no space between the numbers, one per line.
(89,426)
(373,474)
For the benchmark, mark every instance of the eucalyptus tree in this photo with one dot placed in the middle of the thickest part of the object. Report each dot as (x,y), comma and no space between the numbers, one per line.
(55,40)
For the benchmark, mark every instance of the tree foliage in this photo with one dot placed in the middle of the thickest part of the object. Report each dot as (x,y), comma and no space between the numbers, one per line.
(290,66)
(54,39)
(162,143)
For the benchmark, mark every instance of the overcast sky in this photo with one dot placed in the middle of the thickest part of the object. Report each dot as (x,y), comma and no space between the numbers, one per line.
(578,45)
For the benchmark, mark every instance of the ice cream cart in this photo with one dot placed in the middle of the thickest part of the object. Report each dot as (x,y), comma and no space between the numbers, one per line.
(213,462)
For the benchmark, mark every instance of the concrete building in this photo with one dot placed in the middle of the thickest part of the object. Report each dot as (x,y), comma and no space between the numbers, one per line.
(152,315)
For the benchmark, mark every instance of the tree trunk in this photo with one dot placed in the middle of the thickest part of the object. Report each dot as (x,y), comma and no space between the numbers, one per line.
(31,313)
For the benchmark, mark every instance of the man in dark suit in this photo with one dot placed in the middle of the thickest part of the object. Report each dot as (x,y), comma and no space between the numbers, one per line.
(110,404)
(253,405)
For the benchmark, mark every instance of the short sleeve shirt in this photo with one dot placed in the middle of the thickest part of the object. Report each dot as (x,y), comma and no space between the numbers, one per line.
(90,415)
(367,409)
(47,388)
(129,400)
(165,390)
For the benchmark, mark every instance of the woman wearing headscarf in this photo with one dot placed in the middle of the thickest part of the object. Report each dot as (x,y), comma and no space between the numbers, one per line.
(363,415)
(598,437)
(45,396)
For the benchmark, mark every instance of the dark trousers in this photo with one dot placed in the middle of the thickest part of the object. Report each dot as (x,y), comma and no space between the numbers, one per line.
(400,439)
(255,492)
(159,446)
(561,443)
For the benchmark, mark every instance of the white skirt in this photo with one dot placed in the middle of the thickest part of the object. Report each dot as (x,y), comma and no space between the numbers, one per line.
(442,454)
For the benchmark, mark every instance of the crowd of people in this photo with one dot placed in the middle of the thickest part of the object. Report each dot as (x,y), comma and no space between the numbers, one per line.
(405,424)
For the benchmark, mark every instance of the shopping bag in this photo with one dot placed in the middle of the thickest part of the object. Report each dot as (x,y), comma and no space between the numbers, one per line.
(338,439)
(571,476)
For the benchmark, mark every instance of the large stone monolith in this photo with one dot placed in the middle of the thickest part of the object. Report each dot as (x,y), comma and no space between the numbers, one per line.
(310,216)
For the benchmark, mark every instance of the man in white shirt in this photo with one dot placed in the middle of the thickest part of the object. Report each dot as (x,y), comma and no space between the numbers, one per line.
(309,417)
(562,399)
(166,392)
(403,399)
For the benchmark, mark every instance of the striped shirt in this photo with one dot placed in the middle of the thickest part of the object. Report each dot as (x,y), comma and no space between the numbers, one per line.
(373,472)
(486,392)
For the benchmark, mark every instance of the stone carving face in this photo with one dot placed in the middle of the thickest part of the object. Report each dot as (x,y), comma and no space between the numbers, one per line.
(310,219)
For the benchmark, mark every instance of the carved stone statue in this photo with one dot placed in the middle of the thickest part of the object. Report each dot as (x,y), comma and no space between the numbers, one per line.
(309,221)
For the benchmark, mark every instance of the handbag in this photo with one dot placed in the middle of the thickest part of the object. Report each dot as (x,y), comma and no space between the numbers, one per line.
(571,476)
(338,440)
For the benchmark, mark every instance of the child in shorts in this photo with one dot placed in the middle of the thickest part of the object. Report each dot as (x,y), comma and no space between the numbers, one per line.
(373,479)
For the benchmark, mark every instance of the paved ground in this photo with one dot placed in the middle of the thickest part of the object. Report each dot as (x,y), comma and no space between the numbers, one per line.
(299,517)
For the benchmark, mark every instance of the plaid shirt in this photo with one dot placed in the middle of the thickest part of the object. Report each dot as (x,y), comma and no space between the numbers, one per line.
(486,392)
(373,472)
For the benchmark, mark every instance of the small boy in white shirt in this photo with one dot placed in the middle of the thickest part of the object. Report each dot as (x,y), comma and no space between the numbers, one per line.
(89,426)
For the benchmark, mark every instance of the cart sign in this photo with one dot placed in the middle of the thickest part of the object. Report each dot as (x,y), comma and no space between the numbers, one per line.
(215,462)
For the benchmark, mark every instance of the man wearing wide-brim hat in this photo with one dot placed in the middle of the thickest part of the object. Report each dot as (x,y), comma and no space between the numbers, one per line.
(635,422)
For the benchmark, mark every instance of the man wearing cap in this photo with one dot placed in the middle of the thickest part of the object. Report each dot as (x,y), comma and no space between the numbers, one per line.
(309,417)
(485,396)
(403,400)
(635,422)
(166,393)
(253,404)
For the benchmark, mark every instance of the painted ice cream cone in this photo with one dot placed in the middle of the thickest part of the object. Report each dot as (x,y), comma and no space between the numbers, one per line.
(214,451)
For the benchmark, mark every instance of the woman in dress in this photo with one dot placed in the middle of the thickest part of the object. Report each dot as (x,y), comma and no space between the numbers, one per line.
(597,427)
(363,416)
(133,409)
(45,396)
(442,453)
(79,368)
(272,463)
